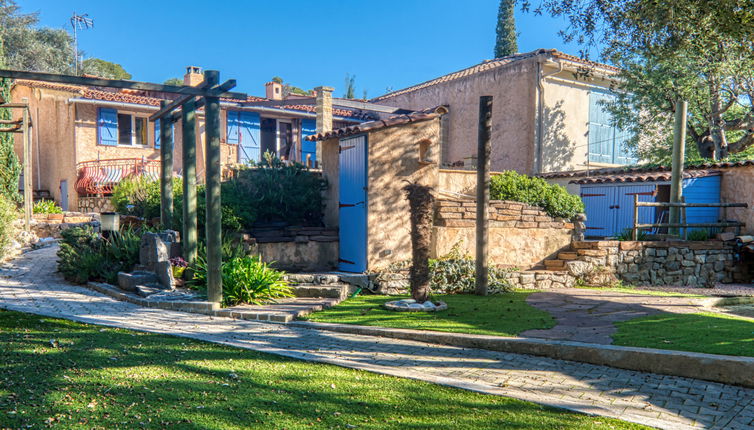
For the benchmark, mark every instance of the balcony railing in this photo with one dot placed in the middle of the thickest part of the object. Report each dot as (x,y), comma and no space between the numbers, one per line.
(98,177)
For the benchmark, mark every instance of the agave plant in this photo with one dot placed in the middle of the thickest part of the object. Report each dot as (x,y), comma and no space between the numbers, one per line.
(250,280)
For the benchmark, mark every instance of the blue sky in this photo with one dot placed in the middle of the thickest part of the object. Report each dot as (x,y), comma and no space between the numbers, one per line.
(385,44)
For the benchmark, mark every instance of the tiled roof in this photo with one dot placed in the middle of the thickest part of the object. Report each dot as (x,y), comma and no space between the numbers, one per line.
(345,113)
(49,85)
(490,65)
(121,96)
(382,123)
(662,176)
(643,169)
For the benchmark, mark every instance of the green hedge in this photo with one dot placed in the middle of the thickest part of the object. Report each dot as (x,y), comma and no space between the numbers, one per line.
(553,199)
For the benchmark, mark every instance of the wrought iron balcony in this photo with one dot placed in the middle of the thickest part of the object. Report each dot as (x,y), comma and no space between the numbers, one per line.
(98,177)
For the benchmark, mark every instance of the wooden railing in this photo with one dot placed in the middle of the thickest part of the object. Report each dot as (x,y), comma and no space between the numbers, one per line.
(683,224)
(98,177)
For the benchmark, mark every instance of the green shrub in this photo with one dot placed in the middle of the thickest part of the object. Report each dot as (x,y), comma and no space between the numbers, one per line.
(140,196)
(553,199)
(8,214)
(46,207)
(250,280)
(230,249)
(455,273)
(627,235)
(698,235)
(85,255)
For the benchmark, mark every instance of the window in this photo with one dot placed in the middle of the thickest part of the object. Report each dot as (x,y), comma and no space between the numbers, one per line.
(607,143)
(114,128)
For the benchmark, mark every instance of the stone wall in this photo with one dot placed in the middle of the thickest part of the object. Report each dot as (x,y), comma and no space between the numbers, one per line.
(50,225)
(520,235)
(95,205)
(662,263)
(295,249)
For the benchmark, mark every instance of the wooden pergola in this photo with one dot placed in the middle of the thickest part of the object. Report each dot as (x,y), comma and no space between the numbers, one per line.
(191,99)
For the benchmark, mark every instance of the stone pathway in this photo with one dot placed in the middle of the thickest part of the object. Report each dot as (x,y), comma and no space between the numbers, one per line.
(587,315)
(31,285)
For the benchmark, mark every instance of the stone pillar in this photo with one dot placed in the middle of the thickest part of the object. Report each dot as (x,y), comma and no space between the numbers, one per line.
(324,114)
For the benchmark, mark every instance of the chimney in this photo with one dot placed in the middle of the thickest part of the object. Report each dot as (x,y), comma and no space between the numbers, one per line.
(324,109)
(273,90)
(193,76)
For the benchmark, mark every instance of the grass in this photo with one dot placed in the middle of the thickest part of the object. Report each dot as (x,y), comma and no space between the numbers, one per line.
(703,332)
(63,374)
(500,315)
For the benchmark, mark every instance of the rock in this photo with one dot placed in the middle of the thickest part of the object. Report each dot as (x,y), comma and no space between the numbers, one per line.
(164,272)
(429,305)
(415,306)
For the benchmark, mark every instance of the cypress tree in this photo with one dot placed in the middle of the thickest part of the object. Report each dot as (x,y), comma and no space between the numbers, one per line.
(505,41)
(10,167)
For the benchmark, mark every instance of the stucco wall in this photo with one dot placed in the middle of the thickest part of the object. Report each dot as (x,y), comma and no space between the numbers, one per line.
(513,114)
(737,186)
(394,161)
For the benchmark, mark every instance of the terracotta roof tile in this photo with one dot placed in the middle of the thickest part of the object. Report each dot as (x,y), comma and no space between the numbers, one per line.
(120,96)
(382,123)
(345,113)
(643,169)
(659,176)
(490,65)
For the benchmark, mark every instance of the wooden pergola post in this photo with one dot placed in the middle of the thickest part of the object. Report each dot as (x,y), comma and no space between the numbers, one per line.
(166,171)
(213,222)
(483,194)
(676,174)
(188,122)
(28,187)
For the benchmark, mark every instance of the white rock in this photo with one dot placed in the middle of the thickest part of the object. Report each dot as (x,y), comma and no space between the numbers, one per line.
(429,305)
(415,306)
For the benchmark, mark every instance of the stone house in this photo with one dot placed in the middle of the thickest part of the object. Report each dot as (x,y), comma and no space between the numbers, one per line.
(547,113)
(86,139)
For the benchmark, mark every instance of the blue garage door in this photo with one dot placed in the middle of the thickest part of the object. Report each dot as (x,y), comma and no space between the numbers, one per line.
(353,204)
(610,209)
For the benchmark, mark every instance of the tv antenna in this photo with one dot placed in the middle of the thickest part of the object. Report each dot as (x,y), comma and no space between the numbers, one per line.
(79,22)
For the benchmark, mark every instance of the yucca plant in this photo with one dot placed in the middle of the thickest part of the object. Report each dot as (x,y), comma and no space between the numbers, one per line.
(250,280)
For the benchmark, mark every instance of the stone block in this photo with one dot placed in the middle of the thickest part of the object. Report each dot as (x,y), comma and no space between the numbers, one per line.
(131,281)
(164,272)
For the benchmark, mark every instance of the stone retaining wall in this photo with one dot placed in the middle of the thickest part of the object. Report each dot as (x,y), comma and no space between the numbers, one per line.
(295,249)
(520,235)
(95,204)
(50,225)
(662,263)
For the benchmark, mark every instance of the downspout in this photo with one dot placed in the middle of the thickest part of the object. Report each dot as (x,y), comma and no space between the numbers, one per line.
(540,109)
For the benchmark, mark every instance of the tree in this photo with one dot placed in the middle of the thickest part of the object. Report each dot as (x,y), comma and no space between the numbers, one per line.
(700,51)
(104,69)
(173,81)
(420,201)
(350,91)
(505,40)
(10,167)
(30,48)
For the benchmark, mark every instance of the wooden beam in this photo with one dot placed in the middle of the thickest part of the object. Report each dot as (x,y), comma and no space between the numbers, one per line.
(189,237)
(28,195)
(14,105)
(212,223)
(220,89)
(11,130)
(114,83)
(166,172)
(483,194)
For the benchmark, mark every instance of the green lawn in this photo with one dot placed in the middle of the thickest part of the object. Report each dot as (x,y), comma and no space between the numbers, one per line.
(62,374)
(703,332)
(501,315)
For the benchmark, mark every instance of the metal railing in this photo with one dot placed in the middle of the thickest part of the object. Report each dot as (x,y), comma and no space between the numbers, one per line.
(99,177)
(684,224)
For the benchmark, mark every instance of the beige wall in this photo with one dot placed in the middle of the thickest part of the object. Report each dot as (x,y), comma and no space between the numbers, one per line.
(737,186)
(565,116)
(513,114)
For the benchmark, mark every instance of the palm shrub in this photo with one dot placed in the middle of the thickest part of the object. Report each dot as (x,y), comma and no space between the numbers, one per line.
(553,199)
(250,280)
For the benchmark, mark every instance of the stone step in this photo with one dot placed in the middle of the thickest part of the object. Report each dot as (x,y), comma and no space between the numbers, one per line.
(285,310)
(312,278)
(336,291)
(554,264)
(567,255)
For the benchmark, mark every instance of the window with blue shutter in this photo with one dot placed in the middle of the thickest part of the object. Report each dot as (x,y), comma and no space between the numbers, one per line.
(157,134)
(232,126)
(107,127)
(607,142)
(308,128)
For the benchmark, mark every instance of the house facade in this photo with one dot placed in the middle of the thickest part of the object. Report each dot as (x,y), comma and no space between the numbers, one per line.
(86,139)
(547,115)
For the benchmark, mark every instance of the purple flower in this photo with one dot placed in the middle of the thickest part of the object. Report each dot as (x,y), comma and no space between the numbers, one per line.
(178,262)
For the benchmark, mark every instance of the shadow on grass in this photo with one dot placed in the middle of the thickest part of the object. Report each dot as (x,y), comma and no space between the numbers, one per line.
(66,374)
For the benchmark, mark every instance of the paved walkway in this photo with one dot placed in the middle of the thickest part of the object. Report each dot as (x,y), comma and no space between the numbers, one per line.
(31,285)
(585,315)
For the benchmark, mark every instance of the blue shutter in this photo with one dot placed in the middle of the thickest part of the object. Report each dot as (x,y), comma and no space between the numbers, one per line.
(249,137)
(107,126)
(601,133)
(157,134)
(232,123)
(308,128)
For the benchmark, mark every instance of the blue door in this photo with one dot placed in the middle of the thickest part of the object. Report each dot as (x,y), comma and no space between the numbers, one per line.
(353,204)
(248,137)
(702,190)
(610,209)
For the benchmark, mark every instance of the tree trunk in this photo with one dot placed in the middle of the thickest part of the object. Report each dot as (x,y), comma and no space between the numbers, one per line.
(420,201)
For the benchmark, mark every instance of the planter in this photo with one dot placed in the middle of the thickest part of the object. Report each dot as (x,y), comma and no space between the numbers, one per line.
(55,217)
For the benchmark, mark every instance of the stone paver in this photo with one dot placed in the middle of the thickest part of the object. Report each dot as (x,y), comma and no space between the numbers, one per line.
(31,285)
(585,315)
